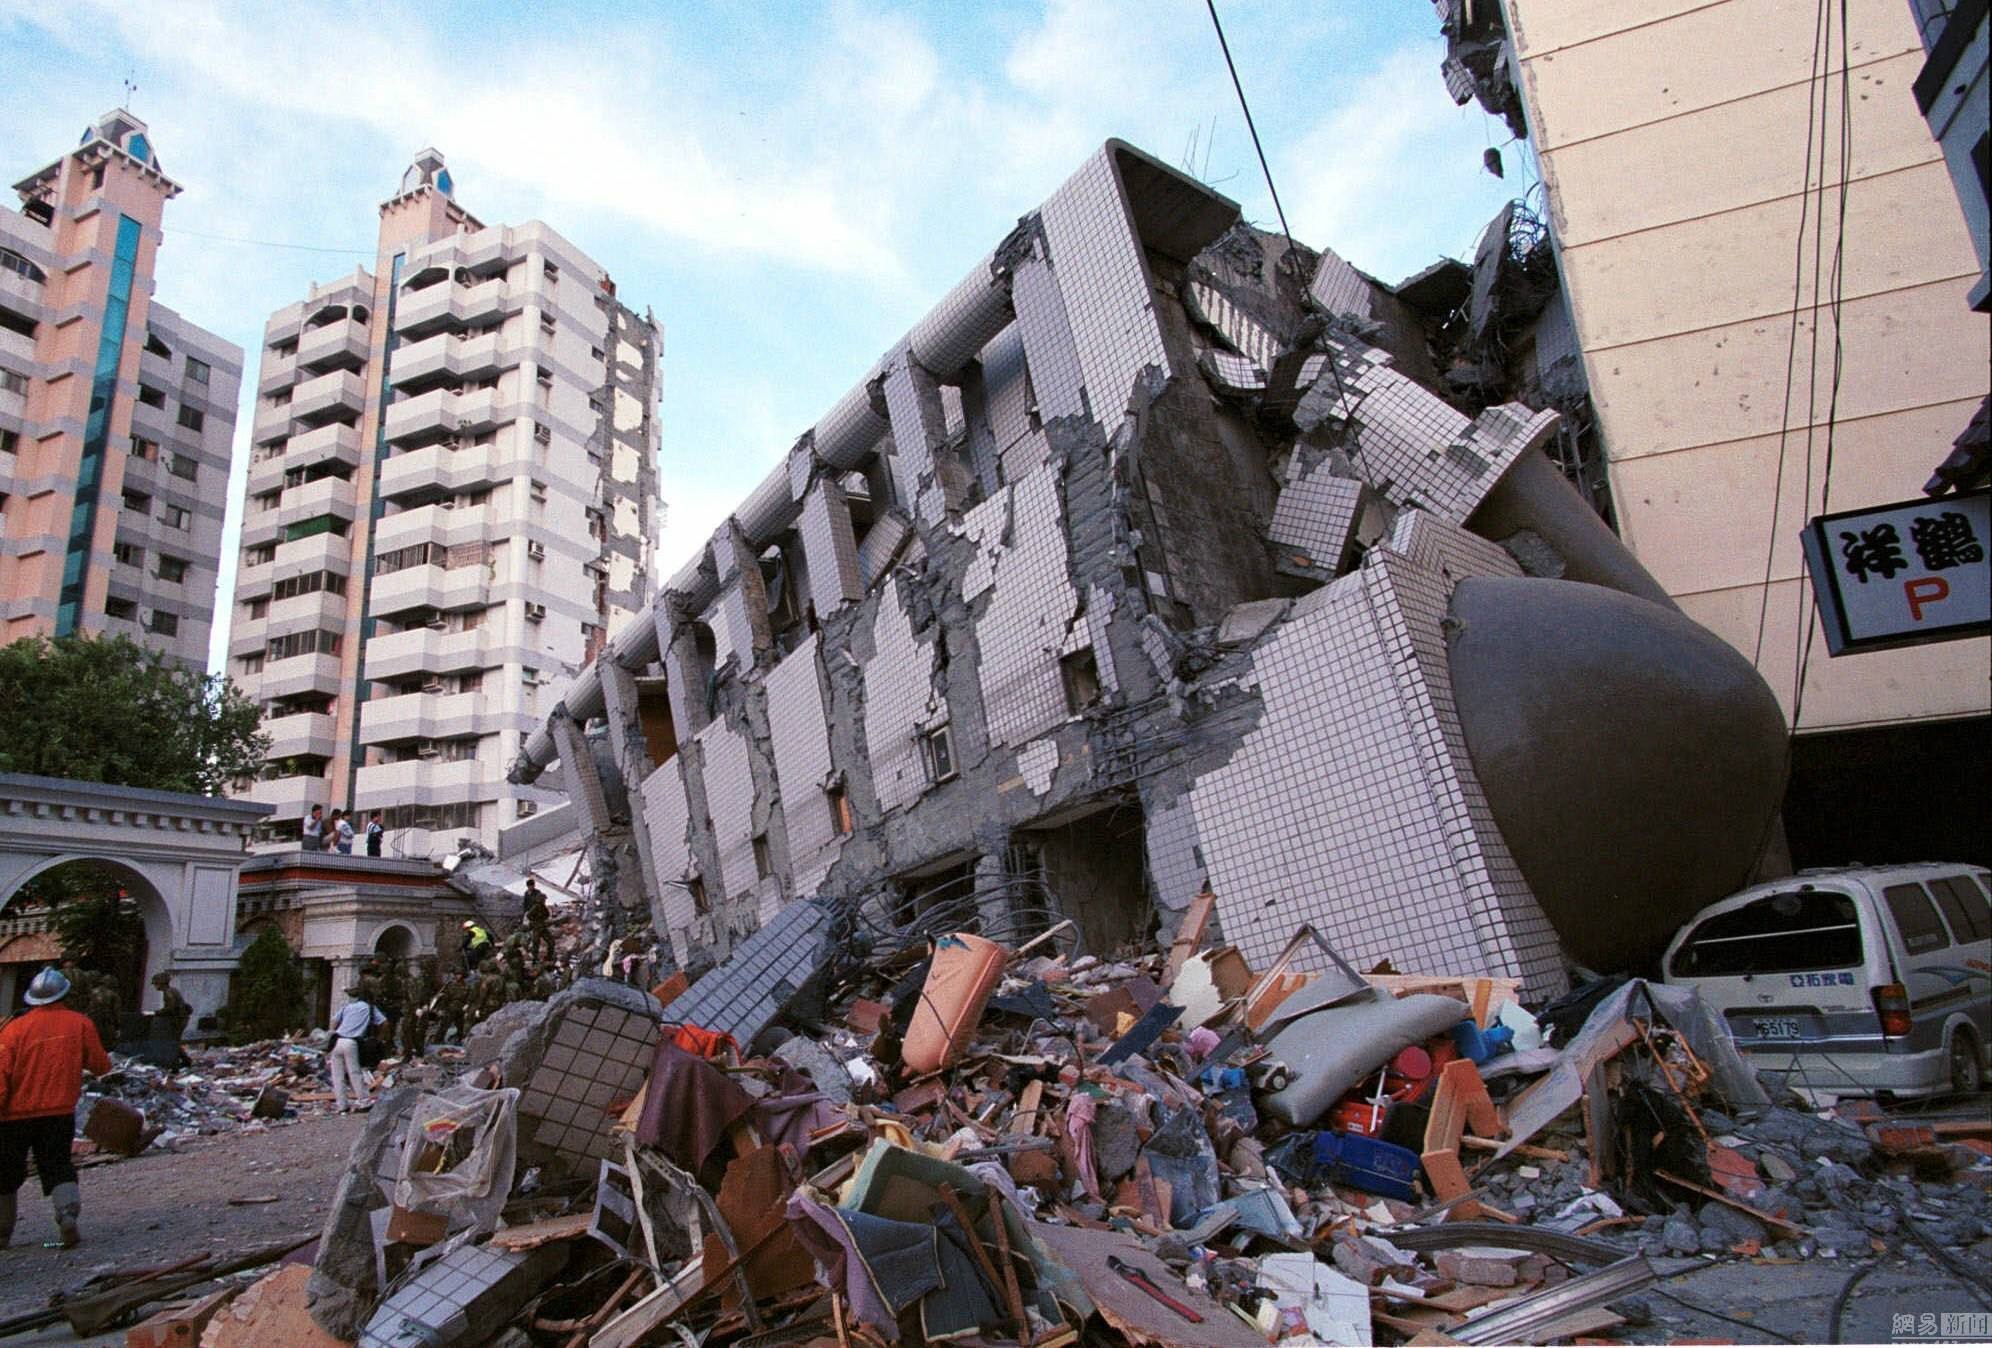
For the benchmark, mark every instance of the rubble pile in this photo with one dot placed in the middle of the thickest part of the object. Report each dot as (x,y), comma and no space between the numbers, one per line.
(242,1088)
(836,1137)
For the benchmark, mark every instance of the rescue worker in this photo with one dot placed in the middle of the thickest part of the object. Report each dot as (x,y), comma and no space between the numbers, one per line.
(414,1027)
(44,1053)
(390,994)
(476,943)
(351,1087)
(169,1022)
(538,921)
(105,1009)
(452,1001)
(489,997)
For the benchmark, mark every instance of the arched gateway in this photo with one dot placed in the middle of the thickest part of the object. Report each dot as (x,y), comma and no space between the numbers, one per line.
(177,854)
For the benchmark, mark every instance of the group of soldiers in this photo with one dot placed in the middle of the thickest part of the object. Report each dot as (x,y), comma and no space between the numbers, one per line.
(96,995)
(419,1009)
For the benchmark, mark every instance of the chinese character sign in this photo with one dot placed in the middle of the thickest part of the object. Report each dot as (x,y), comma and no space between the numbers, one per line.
(1901,574)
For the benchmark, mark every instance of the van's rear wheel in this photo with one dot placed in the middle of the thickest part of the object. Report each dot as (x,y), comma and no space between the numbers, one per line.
(1967,1067)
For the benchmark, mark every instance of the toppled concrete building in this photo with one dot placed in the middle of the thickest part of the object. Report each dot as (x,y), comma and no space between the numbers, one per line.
(1149,561)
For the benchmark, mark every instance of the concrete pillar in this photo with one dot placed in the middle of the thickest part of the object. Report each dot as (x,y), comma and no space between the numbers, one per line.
(685,676)
(743,597)
(632,753)
(992,890)
(919,438)
(1050,352)
(578,775)
(830,545)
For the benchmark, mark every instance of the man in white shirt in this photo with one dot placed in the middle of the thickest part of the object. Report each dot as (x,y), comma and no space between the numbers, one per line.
(314,829)
(355,1018)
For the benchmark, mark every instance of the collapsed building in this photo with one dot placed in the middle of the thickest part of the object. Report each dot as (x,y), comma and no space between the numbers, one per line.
(1166,555)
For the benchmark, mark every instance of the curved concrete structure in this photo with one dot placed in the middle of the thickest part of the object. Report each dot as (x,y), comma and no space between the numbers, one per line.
(1633,760)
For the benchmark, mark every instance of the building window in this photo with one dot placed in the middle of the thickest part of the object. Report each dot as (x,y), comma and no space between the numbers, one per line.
(192,418)
(172,570)
(840,808)
(10,442)
(155,347)
(260,555)
(151,396)
(1080,672)
(258,608)
(311,528)
(527,809)
(121,608)
(937,752)
(197,371)
(764,865)
(142,448)
(184,465)
(249,665)
(137,501)
(176,517)
(292,586)
(700,903)
(165,624)
(12,382)
(14,262)
(128,553)
(303,643)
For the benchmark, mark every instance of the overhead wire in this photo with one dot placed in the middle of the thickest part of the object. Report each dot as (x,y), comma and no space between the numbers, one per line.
(179,232)
(1791,345)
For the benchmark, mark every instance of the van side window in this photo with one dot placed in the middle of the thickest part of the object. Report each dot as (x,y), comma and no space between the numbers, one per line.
(1779,933)
(1922,930)
(1964,907)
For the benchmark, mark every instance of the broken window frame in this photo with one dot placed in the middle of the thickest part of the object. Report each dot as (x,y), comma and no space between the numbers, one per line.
(937,753)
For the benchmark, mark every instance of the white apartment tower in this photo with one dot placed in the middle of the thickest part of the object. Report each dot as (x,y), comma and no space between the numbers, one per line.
(452,497)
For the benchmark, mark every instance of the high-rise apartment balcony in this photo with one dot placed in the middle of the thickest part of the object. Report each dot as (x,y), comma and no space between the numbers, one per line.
(426,650)
(319,552)
(329,396)
(278,372)
(451,355)
(334,442)
(293,797)
(338,345)
(420,716)
(421,312)
(253,582)
(320,610)
(247,635)
(272,423)
(308,500)
(426,417)
(24,295)
(305,732)
(440,466)
(424,782)
(427,587)
(266,470)
(297,675)
(261,526)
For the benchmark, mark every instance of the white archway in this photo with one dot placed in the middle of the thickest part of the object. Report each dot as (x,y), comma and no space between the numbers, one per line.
(180,853)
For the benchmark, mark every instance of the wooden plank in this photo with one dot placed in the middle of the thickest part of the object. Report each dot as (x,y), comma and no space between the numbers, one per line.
(1793,1231)
(1190,935)
(630,1327)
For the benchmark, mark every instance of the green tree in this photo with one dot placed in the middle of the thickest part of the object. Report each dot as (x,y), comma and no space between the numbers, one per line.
(266,996)
(104,709)
(93,925)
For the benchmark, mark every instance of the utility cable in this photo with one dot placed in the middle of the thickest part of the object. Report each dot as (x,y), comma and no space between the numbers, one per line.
(1791,345)
(177,232)
(1250,126)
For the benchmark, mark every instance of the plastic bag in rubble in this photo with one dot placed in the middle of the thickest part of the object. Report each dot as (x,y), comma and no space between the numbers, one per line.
(461,1150)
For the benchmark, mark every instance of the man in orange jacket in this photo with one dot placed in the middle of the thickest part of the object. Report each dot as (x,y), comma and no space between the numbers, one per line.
(44,1053)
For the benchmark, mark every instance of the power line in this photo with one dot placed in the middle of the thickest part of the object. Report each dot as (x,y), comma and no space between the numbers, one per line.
(1250,126)
(1791,346)
(177,232)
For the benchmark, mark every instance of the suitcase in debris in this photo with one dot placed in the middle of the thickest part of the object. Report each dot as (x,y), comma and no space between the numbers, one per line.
(966,969)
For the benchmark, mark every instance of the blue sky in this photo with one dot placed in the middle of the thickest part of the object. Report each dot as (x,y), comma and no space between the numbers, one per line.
(788,186)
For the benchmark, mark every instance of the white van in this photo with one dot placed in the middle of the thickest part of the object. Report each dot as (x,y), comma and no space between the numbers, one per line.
(1872,980)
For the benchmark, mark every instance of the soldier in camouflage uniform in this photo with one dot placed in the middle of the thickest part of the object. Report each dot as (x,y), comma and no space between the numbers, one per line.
(99,1001)
(489,996)
(414,1027)
(538,922)
(452,1004)
(170,1020)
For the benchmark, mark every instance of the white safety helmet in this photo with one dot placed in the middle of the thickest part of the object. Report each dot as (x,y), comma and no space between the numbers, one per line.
(48,986)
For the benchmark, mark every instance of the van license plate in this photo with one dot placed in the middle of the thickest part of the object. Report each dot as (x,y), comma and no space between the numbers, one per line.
(1778,1027)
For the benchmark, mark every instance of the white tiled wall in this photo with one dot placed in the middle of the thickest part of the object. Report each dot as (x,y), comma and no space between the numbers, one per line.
(1024,627)
(796,726)
(899,699)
